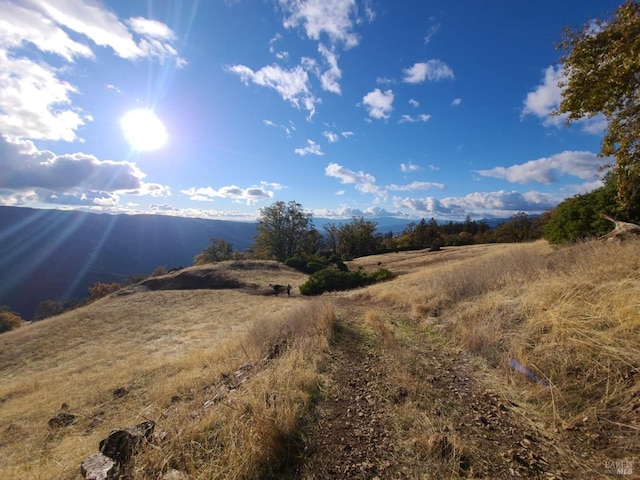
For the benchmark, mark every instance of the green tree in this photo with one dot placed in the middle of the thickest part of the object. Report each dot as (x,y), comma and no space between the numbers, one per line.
(578,217)
(520,228)
(601,66)
(331,237)
(408,238)
(357,237)
(428,233)
(217,251)
(48,308)
(283,230)
(311,243)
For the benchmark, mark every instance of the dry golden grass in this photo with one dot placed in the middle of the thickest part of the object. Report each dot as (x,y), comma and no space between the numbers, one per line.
(164,347)
(570,318)
(381,330)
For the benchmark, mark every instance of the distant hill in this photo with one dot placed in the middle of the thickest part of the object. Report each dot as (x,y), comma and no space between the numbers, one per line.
(56,254)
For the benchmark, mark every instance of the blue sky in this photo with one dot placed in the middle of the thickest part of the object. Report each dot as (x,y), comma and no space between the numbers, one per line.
(412,108)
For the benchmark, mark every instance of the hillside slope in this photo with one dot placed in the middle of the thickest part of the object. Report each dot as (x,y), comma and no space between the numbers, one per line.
(411,378)
(57,255)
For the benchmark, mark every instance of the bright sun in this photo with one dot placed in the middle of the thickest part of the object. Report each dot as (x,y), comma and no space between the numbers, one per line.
(143,129)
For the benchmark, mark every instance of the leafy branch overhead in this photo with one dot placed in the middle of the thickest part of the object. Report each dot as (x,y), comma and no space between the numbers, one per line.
(601,67)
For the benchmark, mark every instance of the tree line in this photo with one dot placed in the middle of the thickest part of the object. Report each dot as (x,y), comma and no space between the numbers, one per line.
(287,233)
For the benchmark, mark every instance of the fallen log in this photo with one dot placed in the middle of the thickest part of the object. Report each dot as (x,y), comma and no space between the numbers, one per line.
(621,231)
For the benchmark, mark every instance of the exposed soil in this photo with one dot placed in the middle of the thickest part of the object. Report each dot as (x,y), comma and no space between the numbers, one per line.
(418,408)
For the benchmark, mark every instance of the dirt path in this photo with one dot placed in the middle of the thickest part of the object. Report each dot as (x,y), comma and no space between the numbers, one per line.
(400,403)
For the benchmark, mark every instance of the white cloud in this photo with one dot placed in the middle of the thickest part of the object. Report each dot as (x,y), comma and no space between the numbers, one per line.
(364,182)
(272,185)
(504,201)
(332,137)
(103,28)
(416,186)
(280,55)
(347,134)
(433,29)
(431,70)
(345,212)
(292,85)
(595,126)
(14,198)
(455,102)
(499,204)
(286,128)
(430,205)
(333,18)
(20,24)
(414,103)
(249,195)
(423,117)
(83,199)
(26,167)
(113,88)
(584,165)
(409,167)
(379,104)
(163,209)
(76,179)
(585,187)
(329,79)
(34,100)
(312,148)
(384,81)
(151,28)
(546,98)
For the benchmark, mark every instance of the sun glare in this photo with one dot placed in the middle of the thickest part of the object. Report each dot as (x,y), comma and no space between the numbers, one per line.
(143,129)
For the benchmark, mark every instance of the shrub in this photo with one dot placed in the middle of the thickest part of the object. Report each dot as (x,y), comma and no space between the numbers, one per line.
(310,265)
(48,308)
(297,263)
(99,290)
(331,280)
(133,279)
(218,251)
(342,266)
(578,218)
(381,275)
(9,321)
(313,267)
(159,271)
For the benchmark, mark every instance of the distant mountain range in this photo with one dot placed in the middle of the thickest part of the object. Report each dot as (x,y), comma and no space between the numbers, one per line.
(56,254)
(59,254)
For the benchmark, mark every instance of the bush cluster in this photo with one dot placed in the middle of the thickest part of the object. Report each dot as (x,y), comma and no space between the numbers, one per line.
(99,290)
(332,279)
(9,321)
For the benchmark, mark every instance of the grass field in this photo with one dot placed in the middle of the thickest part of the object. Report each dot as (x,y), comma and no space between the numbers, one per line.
(568,317)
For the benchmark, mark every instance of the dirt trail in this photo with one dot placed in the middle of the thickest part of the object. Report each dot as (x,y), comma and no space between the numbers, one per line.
(403,404)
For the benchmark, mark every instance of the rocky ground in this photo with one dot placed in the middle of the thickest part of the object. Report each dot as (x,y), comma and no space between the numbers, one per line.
(408,405)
